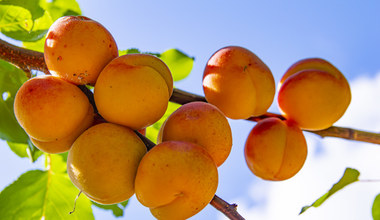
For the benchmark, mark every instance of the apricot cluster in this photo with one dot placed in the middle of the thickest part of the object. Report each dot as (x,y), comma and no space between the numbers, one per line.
(313,94)
(107,160)
(176,179)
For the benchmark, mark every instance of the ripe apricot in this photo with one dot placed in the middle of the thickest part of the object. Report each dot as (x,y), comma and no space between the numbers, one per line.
(314,94)
(238,83)
(133,90)
(50,108)
(176,180)
(77,49)
(64,144)
(201,123)
(103,162)
(275,149)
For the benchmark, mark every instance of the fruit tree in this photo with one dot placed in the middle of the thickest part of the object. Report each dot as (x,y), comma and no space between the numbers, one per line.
(112,125)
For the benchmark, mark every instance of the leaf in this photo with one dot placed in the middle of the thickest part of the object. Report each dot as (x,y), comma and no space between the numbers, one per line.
(41,194)
(376,208)
(31,5)
(11,78)
(18,23)
(59,8)
(56,163)
(179,63)
(350,176)
(30,20)
(152,131)
(117,209)
(25,150)
(129,51)
(36,45)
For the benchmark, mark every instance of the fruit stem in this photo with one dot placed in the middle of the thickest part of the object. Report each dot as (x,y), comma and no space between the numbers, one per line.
(75,203)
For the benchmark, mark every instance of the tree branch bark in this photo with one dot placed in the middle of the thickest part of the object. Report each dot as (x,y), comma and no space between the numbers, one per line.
(24,59)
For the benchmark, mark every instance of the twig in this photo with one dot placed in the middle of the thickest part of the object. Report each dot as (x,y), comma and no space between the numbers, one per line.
(227,209)
(334,131)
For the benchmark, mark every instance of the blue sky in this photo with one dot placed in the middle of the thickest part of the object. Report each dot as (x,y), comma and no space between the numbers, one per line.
(346,33)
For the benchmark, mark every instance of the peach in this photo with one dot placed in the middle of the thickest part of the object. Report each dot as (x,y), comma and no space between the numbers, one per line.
(275,149)
(201,123)
(78,48)
(314,94)
(49,108)
(238,83)
(64,144)
(132,90)
(176,180)
(103,162)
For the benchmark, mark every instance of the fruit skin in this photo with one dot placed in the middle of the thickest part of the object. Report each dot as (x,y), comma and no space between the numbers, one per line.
(103,162)
(314,94)
(275,150)
(64,144)
(238,83)
(77,49)
(153,62)
(131,93)
(176,180)
(49,108)
(200,123)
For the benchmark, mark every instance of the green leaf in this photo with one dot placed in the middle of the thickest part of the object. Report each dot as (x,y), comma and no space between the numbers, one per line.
(18,23)
(59,8)
(152,131)
(350,176)
(31,5)
(40,194)
(29,20)
(36,45)
(129,51)
(117,209)
(56,163)
(11,78)
(376,208)
(179,63)
(25,150)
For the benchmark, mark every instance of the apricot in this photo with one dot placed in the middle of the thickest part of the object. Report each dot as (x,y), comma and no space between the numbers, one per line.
(275,149)
(78,48)
(154,63)
(132,90)
(314,94)
(176,180)
(238,82)
(64,144)
(201,123)
(49,108)
(103,162)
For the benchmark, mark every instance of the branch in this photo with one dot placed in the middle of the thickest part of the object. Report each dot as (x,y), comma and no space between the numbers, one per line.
(334,131)
(226,208)
(25,59)
(28,60)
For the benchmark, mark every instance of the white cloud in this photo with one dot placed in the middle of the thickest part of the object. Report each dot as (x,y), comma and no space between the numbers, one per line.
(326,162)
